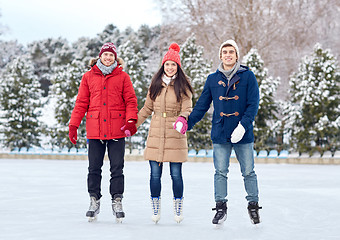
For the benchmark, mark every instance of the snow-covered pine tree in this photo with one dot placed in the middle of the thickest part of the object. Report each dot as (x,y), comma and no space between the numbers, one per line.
(21,102)
(8,51)
(313,116)
(135,66)
(66,81)
(266,120)
(149,41)
(47,54)
(86,48)
(111,33)
(197,69)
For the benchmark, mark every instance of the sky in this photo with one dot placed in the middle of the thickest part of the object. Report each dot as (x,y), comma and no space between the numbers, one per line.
(30,20)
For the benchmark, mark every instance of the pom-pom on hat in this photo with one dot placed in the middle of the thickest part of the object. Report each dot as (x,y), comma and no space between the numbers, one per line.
(172,54)
(232,43)
(108,47)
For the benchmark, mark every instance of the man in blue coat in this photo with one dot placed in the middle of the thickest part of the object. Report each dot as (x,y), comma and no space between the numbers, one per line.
(234,91)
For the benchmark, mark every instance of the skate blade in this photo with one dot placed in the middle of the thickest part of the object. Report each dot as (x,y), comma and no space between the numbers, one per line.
(256,224)
(119,220)
(155,221)
(219,225)
(92,219)
(178,219)
(155,218)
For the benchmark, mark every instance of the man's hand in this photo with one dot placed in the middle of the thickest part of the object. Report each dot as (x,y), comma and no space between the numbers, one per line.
(72,133)
(238,133)
(129,128)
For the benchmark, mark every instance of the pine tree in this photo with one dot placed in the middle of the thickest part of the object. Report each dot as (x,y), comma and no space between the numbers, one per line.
(111,33)
(47,54)
(266,118)
(313,116)
(86,48)
(65,86)
(21,102)
(197,69)
(135,66)
(8,51)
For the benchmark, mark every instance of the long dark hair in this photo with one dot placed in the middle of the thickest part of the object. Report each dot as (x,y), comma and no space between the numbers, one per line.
(181,84)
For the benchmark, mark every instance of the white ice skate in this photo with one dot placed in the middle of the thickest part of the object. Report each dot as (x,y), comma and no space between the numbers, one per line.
(156,209)
(178,209)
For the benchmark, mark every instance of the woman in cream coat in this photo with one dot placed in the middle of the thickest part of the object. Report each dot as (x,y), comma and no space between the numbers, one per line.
(169,99)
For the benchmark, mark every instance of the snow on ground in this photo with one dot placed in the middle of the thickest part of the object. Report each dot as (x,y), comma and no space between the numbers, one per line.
(47,200)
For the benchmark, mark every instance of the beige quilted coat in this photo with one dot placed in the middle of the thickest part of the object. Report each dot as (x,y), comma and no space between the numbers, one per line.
(165,144)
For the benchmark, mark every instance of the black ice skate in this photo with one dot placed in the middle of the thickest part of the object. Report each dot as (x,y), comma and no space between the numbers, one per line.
(117,208)
(94,209)
(221,214)
(253,210)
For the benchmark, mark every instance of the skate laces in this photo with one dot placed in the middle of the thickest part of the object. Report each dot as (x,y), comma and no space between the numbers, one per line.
(220,213)
(253,208)
(220,209)
(155,201)
(178,203)
(94,204)
(117,205)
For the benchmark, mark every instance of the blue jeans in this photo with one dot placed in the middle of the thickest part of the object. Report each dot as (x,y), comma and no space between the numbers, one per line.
(245,156)
(156,174)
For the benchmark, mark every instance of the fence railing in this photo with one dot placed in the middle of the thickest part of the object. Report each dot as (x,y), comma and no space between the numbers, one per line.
(203,155)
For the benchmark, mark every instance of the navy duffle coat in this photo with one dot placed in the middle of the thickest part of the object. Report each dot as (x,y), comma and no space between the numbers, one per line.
(234,101)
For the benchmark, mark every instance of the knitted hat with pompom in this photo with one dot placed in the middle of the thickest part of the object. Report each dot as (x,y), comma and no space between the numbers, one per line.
(108,47)
(172,54)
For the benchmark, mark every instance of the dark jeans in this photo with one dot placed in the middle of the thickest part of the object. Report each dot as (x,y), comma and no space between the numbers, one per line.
(116,151)
(156,174)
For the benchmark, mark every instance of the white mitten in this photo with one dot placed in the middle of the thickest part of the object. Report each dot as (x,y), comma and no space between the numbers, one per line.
(238,133)
(178,125)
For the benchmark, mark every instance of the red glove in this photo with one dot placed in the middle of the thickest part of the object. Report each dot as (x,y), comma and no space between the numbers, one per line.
(129,128)
(72,133)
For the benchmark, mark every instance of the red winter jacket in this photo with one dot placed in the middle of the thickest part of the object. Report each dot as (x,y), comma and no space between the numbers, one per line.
(109,102)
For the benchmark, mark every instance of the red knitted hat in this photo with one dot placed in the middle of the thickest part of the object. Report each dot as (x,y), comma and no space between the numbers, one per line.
(108,47)
(172,54)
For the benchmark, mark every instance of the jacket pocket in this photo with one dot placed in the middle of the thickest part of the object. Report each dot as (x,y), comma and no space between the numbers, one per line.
(117,121)
(92,124)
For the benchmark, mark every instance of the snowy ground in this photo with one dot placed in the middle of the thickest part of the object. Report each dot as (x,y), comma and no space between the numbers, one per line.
(47,199)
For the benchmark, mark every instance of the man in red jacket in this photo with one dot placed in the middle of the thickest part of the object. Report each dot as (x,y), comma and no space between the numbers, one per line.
(107,97)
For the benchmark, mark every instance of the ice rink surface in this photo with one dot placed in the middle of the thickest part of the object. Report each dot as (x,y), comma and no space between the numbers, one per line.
(47,200)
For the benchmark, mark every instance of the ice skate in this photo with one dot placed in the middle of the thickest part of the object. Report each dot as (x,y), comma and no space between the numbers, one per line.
(253,211)
(94,209)
(156,209)
(178,209)
(221,214)
(117,208)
